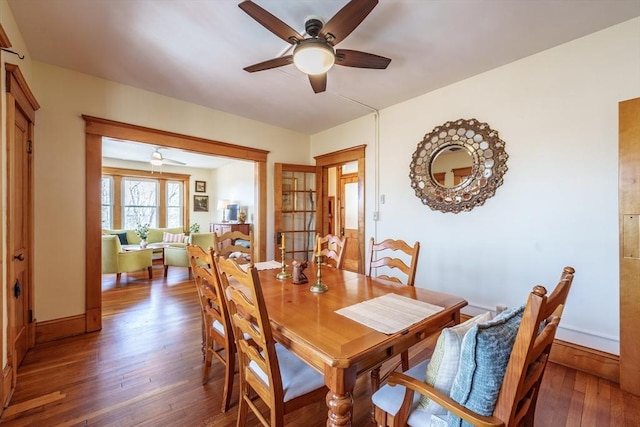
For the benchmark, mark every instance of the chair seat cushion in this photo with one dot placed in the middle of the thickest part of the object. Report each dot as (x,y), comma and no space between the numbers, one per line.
(389,398)
(298,378)
(218,327)
(484,355)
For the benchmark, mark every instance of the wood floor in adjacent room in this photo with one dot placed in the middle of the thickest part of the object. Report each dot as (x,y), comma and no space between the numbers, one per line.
(144,369)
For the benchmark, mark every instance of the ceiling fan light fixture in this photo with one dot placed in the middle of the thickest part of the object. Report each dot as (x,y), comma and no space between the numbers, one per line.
(314,56)
(156,158)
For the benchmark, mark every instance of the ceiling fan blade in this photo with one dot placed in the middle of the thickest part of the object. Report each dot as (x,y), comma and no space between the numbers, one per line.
(318,82)
(270,22)
(347,19)
(355,58)
(271,63)
(173,162)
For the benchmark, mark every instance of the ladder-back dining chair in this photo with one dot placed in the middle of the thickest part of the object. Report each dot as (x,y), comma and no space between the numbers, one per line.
(234,244)
(384,258)
(217,333)
(391,255)
(332,249)
(267,370)
(500,368)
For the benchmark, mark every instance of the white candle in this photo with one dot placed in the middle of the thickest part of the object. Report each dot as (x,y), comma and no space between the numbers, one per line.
(319,246)
(283,241)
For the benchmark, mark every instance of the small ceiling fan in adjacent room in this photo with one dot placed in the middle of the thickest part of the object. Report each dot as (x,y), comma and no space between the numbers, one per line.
(157,159)
(315,55)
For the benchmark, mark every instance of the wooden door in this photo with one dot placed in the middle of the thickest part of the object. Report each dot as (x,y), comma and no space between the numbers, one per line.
(19,284)
(295,210)
(349,215)
(629,211)
(21,108)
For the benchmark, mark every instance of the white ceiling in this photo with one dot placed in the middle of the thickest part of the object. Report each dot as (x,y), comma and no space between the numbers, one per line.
(195,50)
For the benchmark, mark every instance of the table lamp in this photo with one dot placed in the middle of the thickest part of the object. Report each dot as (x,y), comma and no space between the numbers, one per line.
(222,206)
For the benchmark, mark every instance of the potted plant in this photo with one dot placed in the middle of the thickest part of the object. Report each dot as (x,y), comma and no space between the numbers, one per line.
(195,228)
(142,231)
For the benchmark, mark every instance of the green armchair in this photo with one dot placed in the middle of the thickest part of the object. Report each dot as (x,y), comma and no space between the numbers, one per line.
(177,256)
(115,260)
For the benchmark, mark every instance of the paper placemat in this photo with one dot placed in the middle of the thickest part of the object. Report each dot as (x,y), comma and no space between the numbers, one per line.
(390,313)
(265,265)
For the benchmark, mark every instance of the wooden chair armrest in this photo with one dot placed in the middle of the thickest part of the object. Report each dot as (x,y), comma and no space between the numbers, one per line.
(413,385)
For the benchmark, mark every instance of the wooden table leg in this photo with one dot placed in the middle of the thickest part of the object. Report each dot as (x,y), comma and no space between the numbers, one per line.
(340,396)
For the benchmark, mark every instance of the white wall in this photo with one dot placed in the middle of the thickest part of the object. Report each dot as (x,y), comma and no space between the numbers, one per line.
(59,166)
(557,112)
(235,182)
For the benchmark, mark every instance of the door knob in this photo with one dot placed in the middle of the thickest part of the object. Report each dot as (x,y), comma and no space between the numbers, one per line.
(19,257)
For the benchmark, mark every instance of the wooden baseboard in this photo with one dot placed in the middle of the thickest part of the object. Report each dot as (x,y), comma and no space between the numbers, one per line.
(60,328)
(589,360)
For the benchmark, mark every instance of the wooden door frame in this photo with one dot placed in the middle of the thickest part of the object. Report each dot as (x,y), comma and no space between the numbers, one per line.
(337,158)
(95,129)
(18,97)
(629,225)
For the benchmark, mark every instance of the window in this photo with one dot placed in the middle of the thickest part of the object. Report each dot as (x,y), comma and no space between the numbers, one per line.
(107,202)
(131,197)
(174,204)
(140,202)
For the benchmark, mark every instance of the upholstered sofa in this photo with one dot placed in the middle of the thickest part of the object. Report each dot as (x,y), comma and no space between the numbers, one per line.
(129,237)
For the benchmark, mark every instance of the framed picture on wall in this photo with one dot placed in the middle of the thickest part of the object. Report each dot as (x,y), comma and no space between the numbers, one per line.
(201,203)
(201,186)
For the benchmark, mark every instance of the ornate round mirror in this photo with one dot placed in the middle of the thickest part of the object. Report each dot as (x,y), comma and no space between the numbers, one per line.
(458,165)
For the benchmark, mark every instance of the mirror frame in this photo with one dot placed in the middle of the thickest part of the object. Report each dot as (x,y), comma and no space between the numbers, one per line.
(489,160)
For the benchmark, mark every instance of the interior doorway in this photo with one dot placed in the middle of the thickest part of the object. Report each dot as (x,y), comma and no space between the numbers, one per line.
(95,130)
(346,185)
(348,218)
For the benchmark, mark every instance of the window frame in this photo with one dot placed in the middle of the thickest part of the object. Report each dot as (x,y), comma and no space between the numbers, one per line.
(111,198)
(118,174)
(153,208)
(183,201)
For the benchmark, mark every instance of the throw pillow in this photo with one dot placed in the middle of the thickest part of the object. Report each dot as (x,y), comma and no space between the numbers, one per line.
(484,355)
(172,238)
(443,366)
(123,238)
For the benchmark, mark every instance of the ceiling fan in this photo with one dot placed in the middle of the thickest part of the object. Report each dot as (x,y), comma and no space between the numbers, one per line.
(157,159)
(315,55)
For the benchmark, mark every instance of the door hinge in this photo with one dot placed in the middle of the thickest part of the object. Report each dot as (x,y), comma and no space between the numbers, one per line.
(30,316)
(29,147)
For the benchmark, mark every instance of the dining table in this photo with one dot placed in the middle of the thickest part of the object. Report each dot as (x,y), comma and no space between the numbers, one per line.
(308,324)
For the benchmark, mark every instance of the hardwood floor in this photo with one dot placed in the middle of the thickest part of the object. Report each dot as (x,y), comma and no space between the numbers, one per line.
(144,368)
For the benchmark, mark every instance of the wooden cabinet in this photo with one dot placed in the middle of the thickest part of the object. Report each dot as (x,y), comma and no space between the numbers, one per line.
(228,226)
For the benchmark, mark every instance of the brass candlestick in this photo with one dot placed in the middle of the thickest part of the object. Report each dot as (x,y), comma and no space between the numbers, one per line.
(319,287)
(283,275)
